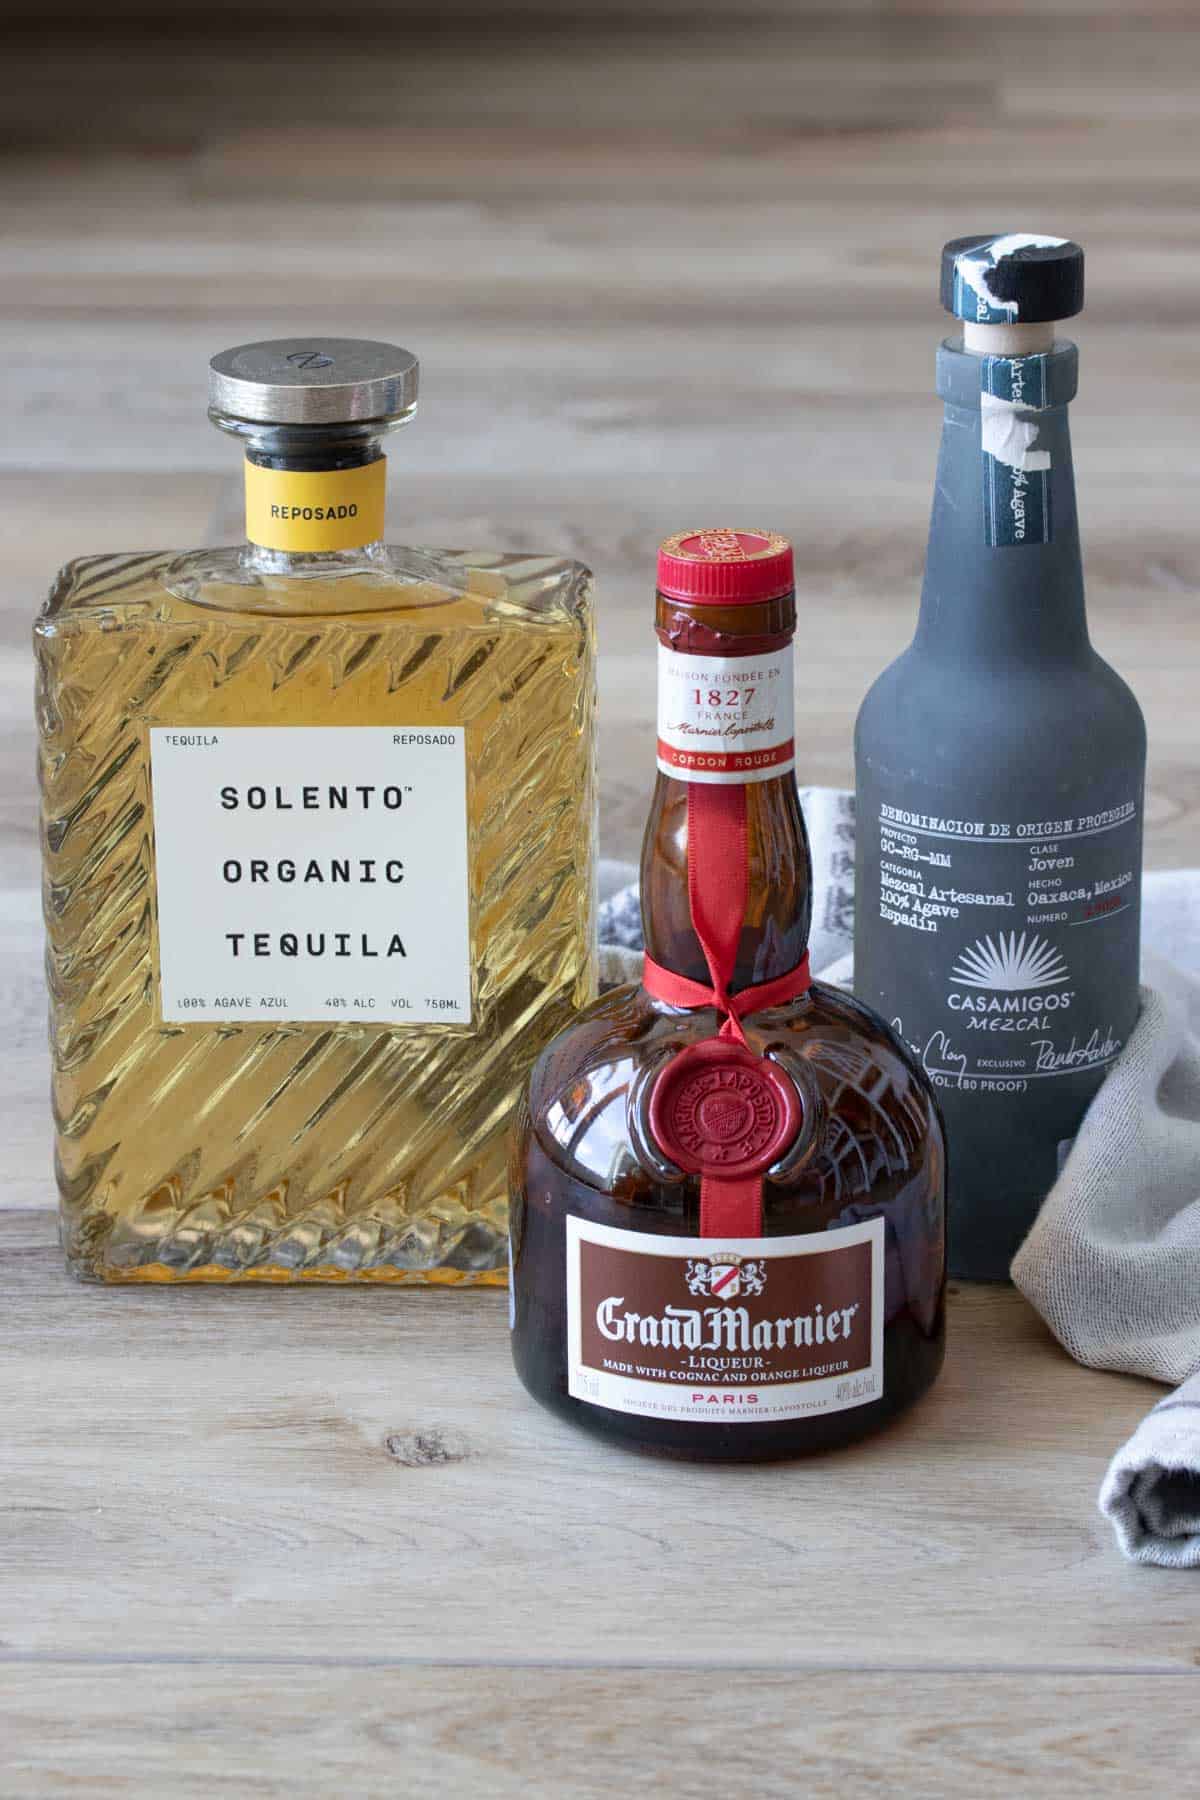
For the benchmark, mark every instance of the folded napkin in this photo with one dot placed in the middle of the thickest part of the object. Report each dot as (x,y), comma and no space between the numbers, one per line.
(1152,1489)
(1113,1260)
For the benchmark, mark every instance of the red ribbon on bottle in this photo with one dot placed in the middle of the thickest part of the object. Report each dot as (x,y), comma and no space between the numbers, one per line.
(718,879)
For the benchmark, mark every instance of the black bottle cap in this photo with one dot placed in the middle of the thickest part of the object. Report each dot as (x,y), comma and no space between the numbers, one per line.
(1018,278)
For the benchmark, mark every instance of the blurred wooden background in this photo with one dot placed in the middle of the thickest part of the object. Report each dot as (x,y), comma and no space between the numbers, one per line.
(658,272)
(664,264)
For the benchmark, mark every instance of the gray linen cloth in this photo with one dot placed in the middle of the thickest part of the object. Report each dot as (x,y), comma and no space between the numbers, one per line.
(1113,1260)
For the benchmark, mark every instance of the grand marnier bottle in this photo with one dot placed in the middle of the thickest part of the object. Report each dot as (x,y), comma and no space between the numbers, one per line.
(1000,766)
(727,1182)
(318,823)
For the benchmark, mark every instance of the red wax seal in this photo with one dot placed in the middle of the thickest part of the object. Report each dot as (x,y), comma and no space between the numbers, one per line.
(717,1109)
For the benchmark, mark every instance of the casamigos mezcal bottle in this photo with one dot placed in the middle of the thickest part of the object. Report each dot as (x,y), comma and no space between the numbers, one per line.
(1000,766)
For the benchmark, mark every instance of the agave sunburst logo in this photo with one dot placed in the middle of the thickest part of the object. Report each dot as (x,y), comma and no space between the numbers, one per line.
(1010,964)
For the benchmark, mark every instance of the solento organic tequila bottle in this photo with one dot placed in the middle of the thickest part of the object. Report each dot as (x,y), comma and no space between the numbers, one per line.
(318,832)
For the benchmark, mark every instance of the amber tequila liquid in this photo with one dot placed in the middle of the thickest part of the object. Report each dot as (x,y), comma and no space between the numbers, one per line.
(318,833)
(728,1234)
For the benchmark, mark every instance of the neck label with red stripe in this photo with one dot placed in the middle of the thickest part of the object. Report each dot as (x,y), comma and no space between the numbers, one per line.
(725,720)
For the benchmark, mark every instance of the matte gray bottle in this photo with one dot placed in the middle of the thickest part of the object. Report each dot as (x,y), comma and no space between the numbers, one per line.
(1000,768)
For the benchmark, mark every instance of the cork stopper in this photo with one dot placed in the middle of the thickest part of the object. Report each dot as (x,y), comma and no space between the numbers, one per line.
(1020,278)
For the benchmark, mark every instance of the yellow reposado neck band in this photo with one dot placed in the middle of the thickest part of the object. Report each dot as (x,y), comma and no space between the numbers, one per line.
(323,509)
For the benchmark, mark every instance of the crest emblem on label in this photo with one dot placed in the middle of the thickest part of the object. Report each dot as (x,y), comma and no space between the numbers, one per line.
(717,1108)
(725,1275)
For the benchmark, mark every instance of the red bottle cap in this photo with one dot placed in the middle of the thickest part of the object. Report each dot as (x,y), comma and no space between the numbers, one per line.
(725,568)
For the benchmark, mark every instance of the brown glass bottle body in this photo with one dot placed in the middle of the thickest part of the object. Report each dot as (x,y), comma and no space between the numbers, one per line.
(878,1152)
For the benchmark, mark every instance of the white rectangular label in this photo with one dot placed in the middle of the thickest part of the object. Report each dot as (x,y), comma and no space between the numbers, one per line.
(742,1331)
(312,872)
(725,719)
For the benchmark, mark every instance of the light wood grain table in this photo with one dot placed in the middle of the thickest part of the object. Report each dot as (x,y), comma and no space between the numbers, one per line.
(320,1543)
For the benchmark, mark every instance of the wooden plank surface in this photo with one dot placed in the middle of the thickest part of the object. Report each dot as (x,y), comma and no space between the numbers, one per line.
(305,1542)
(318,1543)
(473,1733)
(278,1475)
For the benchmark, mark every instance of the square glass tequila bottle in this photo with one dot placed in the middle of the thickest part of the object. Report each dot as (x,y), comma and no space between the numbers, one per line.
(318,826)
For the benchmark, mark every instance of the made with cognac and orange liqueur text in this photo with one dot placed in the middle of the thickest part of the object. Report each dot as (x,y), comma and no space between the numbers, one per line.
(318,826)
(726,1205)
(1000,768)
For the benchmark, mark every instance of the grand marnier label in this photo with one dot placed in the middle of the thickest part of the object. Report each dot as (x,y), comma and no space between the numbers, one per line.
(747,1330)
(312,872)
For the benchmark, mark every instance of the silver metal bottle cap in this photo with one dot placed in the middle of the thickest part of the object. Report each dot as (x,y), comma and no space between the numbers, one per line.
(313,381)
